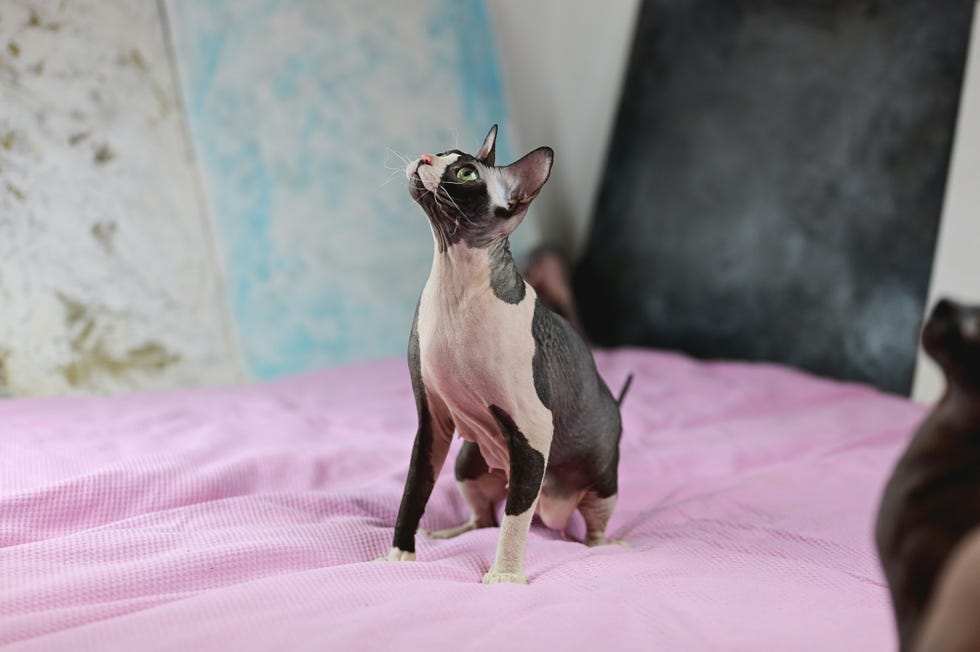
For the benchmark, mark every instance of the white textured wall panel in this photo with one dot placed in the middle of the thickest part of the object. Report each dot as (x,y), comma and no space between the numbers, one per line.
(107,274)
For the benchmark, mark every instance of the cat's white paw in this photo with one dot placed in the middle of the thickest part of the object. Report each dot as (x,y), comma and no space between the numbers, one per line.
(497,577)
(397,554)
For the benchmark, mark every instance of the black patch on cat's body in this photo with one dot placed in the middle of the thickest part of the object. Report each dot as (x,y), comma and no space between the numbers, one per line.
(505,281)
(421,476)
(586,419)
(932,500)
(526,465)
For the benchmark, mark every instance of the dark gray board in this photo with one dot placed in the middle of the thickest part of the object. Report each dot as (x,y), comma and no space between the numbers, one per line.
(775,180)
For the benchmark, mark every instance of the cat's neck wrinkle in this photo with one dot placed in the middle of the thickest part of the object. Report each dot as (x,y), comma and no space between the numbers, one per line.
(460,270)
(501,251)
(461,256)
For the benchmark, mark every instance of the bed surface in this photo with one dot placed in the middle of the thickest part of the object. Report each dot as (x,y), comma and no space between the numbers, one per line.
(247,519)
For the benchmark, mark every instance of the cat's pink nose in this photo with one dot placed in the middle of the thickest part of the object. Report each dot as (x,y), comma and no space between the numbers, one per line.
(426,159)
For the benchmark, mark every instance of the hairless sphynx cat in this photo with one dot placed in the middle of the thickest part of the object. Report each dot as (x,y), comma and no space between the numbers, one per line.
(489,360)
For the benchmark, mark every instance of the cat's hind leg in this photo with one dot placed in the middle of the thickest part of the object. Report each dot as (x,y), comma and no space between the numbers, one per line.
(597,511)
(528,460)
(481,488)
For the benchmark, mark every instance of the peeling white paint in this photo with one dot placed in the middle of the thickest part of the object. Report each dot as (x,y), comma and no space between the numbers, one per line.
(107,278)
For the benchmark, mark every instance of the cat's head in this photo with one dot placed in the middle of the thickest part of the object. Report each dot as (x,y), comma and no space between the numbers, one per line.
(470,200)
(952,337)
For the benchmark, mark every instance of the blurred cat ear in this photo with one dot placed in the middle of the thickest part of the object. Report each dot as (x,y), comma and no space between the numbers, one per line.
(524,178)
(487,152)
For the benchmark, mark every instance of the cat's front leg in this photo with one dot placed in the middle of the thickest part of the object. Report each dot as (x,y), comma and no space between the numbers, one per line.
(528,459)
(432,440)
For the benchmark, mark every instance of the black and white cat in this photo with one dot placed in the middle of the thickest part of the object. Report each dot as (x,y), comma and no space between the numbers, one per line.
(490,361)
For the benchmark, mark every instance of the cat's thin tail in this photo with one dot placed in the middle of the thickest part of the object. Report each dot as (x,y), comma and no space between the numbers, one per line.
(626,388)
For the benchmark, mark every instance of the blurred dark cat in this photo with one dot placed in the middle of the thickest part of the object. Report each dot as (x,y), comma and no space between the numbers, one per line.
(932,500)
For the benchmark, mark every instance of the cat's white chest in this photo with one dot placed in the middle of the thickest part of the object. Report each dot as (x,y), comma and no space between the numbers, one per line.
(473,345)
(476,350)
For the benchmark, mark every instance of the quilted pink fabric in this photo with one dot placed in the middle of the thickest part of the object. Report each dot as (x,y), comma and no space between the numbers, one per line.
(248,518)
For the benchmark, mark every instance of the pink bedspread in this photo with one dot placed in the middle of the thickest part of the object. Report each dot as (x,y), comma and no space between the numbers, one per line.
(247,519)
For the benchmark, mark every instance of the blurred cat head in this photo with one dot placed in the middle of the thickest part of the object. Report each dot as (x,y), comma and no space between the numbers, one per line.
(951,336)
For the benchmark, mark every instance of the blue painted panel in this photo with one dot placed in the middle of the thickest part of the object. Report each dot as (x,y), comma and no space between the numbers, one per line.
(294,107)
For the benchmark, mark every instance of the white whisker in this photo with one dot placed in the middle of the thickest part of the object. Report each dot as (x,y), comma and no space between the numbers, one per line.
(453,202)
(419,199)
(399,155)
(391,177)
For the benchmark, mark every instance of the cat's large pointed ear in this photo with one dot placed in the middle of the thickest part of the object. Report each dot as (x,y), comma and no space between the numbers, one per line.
(524,178)
(487,152)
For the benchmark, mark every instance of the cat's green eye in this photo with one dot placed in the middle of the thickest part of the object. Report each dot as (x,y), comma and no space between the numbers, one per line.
(466,173)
